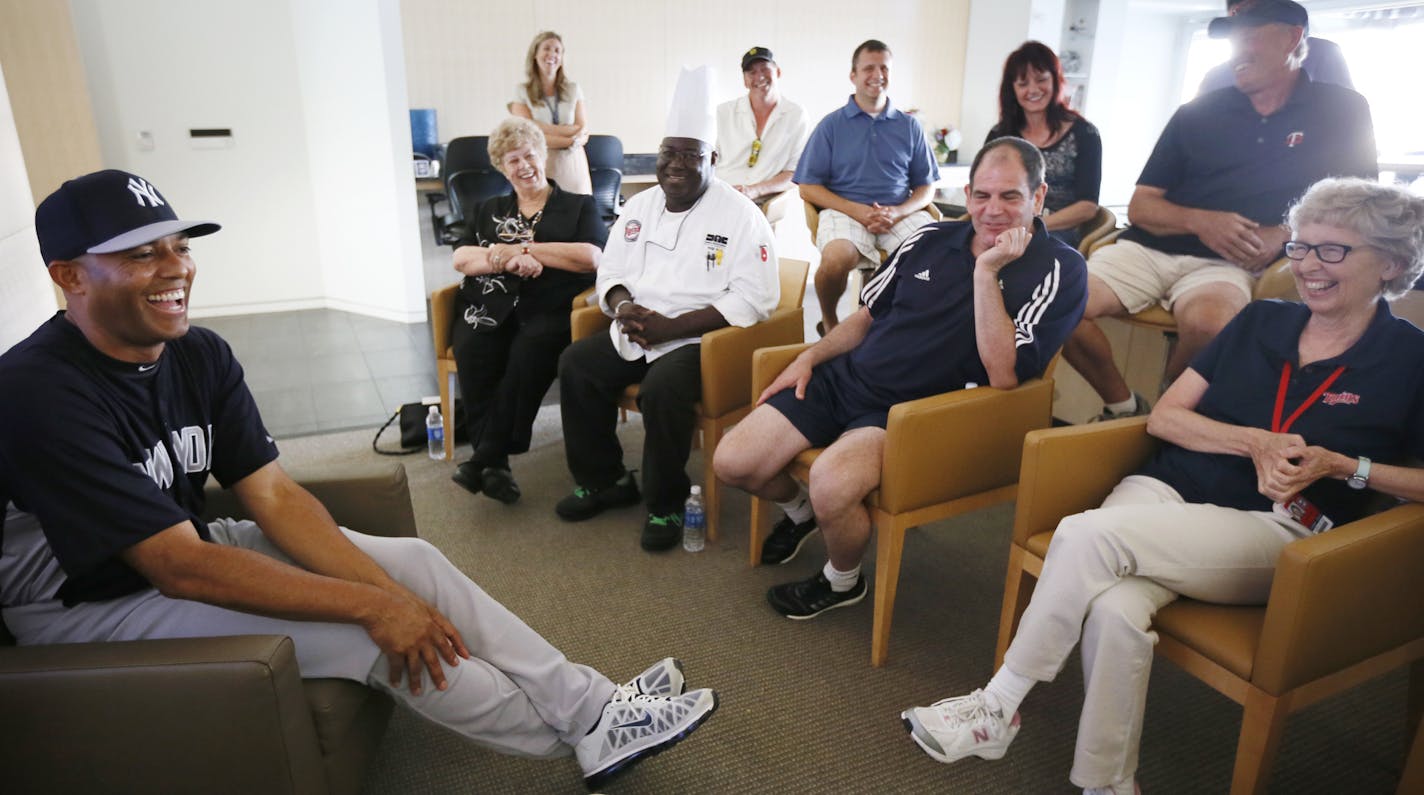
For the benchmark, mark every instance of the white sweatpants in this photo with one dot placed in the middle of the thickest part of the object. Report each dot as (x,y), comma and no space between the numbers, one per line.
(1108,571)
(517,694)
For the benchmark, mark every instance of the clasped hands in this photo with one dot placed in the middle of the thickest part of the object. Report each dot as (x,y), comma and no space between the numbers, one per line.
(642,325)
(510,258)
(1239,240)
(877,219)
(1286,465)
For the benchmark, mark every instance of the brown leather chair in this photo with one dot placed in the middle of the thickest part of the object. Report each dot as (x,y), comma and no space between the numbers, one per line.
(210,715)
(726,370)
(1344,605)
(944,455)
(442,314)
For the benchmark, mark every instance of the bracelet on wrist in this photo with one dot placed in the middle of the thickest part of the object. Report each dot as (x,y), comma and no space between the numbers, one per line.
(619,305)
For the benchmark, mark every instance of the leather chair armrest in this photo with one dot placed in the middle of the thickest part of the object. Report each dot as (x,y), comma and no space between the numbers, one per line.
(442,311)
(958,443)
(727,358)
(369,498)
(584,299)
(767,364)
(1105,240)
(1070,470)
(1276,281)
(587,321)
(1343,596)
(139,717)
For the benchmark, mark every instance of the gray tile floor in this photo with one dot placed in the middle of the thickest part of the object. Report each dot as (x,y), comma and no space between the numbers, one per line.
(322,370)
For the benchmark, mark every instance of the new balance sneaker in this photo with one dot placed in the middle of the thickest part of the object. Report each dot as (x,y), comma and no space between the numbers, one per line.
(809,598)
(1140,408)
(633,728)
(663,678)
(588,503)
(954,728)
(661,532)
(786,540)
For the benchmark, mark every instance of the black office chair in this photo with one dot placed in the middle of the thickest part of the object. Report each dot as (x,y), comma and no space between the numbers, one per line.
(470,178)
(605,168)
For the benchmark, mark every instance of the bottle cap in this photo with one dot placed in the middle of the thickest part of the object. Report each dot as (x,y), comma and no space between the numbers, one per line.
(433,410)
(696,490)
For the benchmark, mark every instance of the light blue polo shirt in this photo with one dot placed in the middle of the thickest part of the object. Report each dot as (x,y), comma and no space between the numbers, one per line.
(866,158)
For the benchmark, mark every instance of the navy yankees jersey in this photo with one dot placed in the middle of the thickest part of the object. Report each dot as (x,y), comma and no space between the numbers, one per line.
(106,453)
(1374,408)
(922,341)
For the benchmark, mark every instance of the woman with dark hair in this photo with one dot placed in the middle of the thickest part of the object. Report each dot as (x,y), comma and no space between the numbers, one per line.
(1033,106)
(531,252)
(555,103)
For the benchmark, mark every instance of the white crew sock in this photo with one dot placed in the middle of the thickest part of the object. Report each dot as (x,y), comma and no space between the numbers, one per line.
(1007,689)
(841,581)
(1122,405)
(1127,786)
(798,508)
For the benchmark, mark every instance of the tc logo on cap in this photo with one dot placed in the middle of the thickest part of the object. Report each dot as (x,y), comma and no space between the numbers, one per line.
(141,190)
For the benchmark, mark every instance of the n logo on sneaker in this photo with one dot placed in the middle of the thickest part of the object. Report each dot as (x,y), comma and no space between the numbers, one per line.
(923,275)
(646,720)
(981,735)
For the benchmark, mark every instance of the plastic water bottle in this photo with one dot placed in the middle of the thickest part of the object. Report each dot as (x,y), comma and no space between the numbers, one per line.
(694,522)
(435,433)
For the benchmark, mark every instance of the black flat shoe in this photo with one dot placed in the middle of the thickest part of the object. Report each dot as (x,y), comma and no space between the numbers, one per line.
(468,476)
(498,483)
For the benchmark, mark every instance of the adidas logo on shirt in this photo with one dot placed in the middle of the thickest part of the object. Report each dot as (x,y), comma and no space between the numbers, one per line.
(923,275)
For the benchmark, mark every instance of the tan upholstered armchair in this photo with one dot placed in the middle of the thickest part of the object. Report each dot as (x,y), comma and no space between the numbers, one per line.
(726,370)
(944,455)
(207,715)
(1344,605)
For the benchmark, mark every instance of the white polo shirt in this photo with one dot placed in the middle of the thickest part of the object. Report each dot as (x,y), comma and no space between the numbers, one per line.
(719,253)
(781,142)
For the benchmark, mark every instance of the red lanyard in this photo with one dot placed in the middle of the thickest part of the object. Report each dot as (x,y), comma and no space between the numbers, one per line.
(1281,398)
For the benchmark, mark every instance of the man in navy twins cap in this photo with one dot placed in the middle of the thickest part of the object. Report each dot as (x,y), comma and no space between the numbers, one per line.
(123,412)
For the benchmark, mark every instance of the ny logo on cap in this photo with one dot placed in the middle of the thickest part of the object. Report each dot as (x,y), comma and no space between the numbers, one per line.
(143,191)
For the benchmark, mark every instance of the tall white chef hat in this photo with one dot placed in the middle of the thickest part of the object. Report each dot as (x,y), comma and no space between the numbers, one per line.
(693,114)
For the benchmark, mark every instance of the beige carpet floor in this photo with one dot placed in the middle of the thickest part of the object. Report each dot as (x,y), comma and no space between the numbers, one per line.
(801,709)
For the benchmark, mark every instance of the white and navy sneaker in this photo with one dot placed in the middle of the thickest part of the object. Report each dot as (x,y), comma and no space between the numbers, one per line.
(954,728)
(663,678)
(635,727)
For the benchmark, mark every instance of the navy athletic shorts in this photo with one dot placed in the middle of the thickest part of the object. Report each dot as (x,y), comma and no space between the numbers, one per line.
(834,404)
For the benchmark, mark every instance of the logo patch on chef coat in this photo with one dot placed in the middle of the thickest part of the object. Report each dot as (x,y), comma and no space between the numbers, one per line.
(631,230)
(763,253)
(716,247)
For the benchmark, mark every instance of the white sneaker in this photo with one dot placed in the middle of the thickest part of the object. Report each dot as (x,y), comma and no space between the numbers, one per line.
(954,728)
(638,726)
(663,678)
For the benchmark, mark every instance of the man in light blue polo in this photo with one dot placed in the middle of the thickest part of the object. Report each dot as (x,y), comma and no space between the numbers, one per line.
(869,170)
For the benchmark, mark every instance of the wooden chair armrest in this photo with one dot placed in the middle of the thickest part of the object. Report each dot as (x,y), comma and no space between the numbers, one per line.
(958,443)
(767,364)
(442,310)
(587,321)
(1070,470)
(727,358)
(1341,597)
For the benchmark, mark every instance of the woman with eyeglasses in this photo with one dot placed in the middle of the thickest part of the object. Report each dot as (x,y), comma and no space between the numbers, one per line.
(1291,422)
(555,103)
(1033,105)
(529,254)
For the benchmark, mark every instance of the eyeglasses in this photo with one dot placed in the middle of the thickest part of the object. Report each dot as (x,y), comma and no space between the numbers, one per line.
(1329,253)
(687,158)
(756,152)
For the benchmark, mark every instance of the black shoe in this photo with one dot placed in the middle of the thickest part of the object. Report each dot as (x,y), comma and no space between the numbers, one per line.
(786,540)
(810,598)
(820,328)
(586,504)
(661,532)
(498,483)
(468,476)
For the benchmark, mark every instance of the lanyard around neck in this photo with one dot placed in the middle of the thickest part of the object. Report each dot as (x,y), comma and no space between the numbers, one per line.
(1276,424)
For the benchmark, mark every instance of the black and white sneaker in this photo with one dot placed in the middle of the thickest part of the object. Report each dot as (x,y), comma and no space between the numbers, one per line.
(809,598)
(786,540)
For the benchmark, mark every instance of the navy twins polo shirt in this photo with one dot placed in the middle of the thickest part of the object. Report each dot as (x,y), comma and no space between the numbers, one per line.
(1375,408)
(922,340)
(1218,153)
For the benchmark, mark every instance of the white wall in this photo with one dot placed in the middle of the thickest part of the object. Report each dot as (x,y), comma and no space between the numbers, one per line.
(995,30)
(26,298)
(297,234)
(464,59)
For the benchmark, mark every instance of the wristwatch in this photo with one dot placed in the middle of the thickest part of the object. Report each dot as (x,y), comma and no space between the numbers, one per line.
(1361,478)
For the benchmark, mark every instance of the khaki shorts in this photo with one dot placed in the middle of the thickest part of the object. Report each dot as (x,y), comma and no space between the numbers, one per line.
(836,225)
(1141,276)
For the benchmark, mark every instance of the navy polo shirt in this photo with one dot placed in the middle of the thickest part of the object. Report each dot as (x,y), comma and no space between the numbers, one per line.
(1375,408)
(866,158)
(1218,153)
(922,340)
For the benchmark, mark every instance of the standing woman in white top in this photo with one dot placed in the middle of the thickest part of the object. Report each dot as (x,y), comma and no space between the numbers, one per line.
(555,103)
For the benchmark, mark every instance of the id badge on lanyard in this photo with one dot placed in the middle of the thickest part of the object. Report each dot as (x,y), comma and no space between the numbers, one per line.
(1298,507)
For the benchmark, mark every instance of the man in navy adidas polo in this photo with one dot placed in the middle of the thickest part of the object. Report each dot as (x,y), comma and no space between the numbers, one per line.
(960,304)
